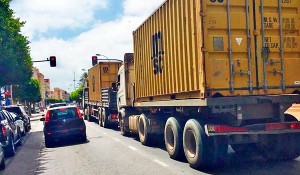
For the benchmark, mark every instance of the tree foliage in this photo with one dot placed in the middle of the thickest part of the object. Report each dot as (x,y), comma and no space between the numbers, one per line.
(77,94)
(83,79)
(28,92)
(15,60)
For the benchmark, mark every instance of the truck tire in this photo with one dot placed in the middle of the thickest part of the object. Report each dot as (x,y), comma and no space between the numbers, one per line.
(200,150)
(280,147)
(174,138)
(124,131)
(89,118)
(85,113)
(104,119)
(143,126)
(100,118)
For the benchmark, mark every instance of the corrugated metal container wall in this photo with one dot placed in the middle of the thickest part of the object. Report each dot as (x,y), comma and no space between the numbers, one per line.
(102,76)
(160,44)
(197,49)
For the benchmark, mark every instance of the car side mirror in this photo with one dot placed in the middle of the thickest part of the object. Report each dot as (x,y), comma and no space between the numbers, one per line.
(42,119)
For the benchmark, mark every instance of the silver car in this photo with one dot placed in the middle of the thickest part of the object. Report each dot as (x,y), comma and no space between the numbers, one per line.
(19,122)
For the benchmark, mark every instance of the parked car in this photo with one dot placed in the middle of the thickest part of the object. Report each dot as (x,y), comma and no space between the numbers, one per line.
(37,110)
(20,110)
(2,160)
(18,120)
(11,133)
(62,123)
(54,105)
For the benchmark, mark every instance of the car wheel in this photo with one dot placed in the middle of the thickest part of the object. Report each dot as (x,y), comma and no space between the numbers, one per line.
(20,142)
(83,138)
(10,150)
(2,164)
(49,142)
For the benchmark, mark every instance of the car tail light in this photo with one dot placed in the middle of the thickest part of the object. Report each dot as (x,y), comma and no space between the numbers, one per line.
(114,116)
(63,109)
(47,117)
(4,131)
(79,113)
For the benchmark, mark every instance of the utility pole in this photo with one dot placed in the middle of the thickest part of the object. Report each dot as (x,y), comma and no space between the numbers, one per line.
(74,81)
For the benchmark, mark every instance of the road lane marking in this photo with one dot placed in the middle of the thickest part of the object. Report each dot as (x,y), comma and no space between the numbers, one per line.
(105,133)
(133,148)
(160,163)
(116,139)
(92,126)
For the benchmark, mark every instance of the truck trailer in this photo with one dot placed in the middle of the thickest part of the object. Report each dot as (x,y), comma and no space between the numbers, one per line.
(100,95)
(212,73)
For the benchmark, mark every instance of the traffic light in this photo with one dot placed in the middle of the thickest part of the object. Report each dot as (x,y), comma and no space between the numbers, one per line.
(6,94)
(94,60)
(52,61)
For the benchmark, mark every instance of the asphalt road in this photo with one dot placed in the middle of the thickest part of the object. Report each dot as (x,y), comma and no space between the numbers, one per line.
(107,152)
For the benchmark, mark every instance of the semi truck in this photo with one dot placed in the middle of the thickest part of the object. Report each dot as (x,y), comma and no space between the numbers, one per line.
(100,95)
(212,73)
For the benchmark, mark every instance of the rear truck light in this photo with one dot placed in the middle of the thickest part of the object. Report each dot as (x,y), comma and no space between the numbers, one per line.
(4,131)
(264,128)
(79,113)
(114,116)
(294,126)
(225,129)
(47,117)
(276,126)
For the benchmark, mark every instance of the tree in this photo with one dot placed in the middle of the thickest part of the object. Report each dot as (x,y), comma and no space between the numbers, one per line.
(15,60)
(83,79)
(77,94)
(29,93)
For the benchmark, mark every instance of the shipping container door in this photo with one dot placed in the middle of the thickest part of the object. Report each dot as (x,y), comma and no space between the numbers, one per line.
(278,50)
(229,47)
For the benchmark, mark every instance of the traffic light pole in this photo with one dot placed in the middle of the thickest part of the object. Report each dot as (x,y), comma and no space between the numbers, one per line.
(41,61)
(52,61)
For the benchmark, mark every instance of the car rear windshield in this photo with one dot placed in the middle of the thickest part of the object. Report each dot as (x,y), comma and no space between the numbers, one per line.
(63,113)
(57,105)
(16,110)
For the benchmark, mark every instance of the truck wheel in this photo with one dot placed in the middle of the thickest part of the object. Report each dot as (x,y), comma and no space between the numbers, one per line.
(173,138)
(200,150)
(143,125)
(89,118)
(85,113)
(280,147)
(122,126)
(104,119)
(100,119)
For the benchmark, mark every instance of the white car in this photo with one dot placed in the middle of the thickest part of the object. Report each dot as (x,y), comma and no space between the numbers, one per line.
(19,122)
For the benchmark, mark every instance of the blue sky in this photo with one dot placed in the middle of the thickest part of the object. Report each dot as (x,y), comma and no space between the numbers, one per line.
(75,30)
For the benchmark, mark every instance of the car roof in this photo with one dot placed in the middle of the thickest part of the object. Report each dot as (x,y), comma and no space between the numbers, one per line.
(59,107)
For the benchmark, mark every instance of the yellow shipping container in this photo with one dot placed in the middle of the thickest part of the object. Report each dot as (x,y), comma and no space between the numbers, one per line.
(197,49)
(102,75)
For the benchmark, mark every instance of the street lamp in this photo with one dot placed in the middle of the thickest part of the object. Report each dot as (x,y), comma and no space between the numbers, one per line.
(108,58)
(102,56)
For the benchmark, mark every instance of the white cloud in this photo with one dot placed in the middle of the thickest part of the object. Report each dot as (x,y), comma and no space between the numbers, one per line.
(112,38)
(40,15)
